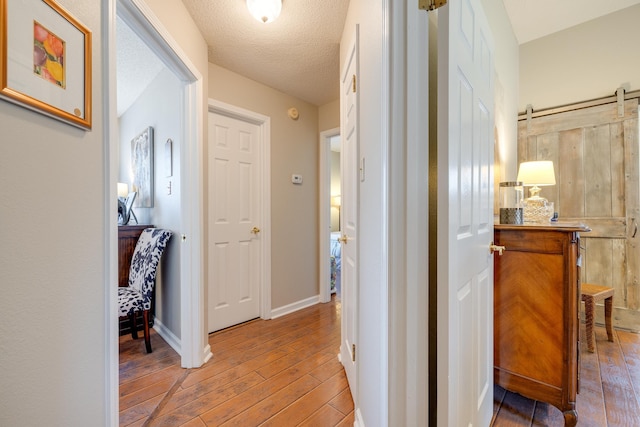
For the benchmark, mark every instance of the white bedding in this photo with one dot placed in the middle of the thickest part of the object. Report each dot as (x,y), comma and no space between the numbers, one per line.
(336,263)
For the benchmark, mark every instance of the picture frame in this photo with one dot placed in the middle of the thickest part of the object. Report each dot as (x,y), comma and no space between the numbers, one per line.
(45,60)
(129,207)
(142,168)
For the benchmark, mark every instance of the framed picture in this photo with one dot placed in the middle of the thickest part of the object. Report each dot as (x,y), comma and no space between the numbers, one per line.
(142,168)
(45,60)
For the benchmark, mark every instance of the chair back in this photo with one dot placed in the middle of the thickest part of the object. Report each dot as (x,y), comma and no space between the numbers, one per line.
(145,259)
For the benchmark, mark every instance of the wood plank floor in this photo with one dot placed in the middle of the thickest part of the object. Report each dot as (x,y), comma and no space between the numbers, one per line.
(281,372)
(285,372)
(609,388)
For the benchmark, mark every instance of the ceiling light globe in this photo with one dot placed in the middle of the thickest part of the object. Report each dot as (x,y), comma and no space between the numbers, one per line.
(265,10)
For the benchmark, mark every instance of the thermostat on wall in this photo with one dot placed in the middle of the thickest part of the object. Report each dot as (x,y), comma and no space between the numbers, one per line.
(296,179)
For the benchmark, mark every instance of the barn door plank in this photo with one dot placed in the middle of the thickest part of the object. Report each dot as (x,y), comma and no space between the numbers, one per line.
(632,196)
(617,170)
(570,175)
(597,162)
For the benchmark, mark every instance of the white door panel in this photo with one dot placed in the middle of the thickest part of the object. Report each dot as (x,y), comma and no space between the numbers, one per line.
(465,216)
(349,215)
(234,209)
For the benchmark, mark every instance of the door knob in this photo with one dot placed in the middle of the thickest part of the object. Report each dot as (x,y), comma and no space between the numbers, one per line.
(255,230)
(343,239)
(495,248)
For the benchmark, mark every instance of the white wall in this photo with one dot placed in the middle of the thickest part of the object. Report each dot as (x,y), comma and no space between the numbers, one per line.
(52,260)
(159,106)
(588,61)
(53,250)
(329,115)
(506,91)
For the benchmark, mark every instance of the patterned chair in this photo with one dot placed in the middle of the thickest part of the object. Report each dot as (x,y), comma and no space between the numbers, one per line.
(142,278)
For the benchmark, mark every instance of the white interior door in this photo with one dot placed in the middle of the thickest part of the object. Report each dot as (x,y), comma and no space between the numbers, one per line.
(465,215)
(235,254)
(349,215)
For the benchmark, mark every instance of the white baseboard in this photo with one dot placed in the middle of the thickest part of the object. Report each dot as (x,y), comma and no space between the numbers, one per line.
(207,354)
(358,422)
(295,306)
(168,336)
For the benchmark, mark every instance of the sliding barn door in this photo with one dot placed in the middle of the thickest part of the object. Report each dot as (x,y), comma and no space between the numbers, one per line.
(595,155)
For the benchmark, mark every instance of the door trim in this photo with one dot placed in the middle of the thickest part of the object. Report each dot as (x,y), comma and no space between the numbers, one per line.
(194,349)
(325,211)
(111,159)
(264,124)
(409,217)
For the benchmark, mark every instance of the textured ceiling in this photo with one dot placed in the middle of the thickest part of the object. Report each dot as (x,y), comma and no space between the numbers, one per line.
(532,19)
(136,66)
(298,53)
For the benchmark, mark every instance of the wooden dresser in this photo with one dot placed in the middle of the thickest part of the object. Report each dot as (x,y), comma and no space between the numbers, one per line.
(127,239)
(536,313)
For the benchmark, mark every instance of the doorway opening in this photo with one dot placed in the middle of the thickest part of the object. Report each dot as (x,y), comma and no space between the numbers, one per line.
(330,202)
(238,216)
(183,321)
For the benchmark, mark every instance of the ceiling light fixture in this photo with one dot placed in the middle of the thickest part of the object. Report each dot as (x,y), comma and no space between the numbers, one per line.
(265,10)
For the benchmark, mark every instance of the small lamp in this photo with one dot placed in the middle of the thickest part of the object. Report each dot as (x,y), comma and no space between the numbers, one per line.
(123,190)
(537,174)
(265,10)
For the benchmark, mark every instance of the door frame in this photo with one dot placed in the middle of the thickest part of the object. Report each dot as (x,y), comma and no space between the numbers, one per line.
(408,207)
(325,211)
(194,348)
(264,130)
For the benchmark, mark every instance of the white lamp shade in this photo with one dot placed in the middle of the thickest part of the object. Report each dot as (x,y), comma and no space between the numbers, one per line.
(265,10)
(123,189)
(538,173)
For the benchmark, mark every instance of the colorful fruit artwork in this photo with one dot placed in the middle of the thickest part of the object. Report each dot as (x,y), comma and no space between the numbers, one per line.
(48,55)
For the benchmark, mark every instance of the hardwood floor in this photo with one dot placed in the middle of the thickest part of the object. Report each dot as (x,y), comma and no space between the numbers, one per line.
(609,388)
(285,372)
(281,372)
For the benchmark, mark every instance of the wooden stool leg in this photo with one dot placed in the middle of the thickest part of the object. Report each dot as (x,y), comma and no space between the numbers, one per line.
(608,308)
(589,307)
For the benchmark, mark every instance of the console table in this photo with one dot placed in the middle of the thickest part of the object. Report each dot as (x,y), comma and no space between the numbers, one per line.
(127,238)
(536,313)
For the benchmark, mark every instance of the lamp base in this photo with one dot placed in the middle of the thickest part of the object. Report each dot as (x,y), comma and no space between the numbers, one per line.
(537,210)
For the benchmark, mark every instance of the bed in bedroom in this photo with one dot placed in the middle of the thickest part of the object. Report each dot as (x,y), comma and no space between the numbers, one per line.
(336,264)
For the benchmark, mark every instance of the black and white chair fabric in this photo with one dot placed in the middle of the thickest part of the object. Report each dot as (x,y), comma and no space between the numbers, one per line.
(136,297)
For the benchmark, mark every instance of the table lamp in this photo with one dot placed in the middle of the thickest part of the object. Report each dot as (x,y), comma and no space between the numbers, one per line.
(537,174)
